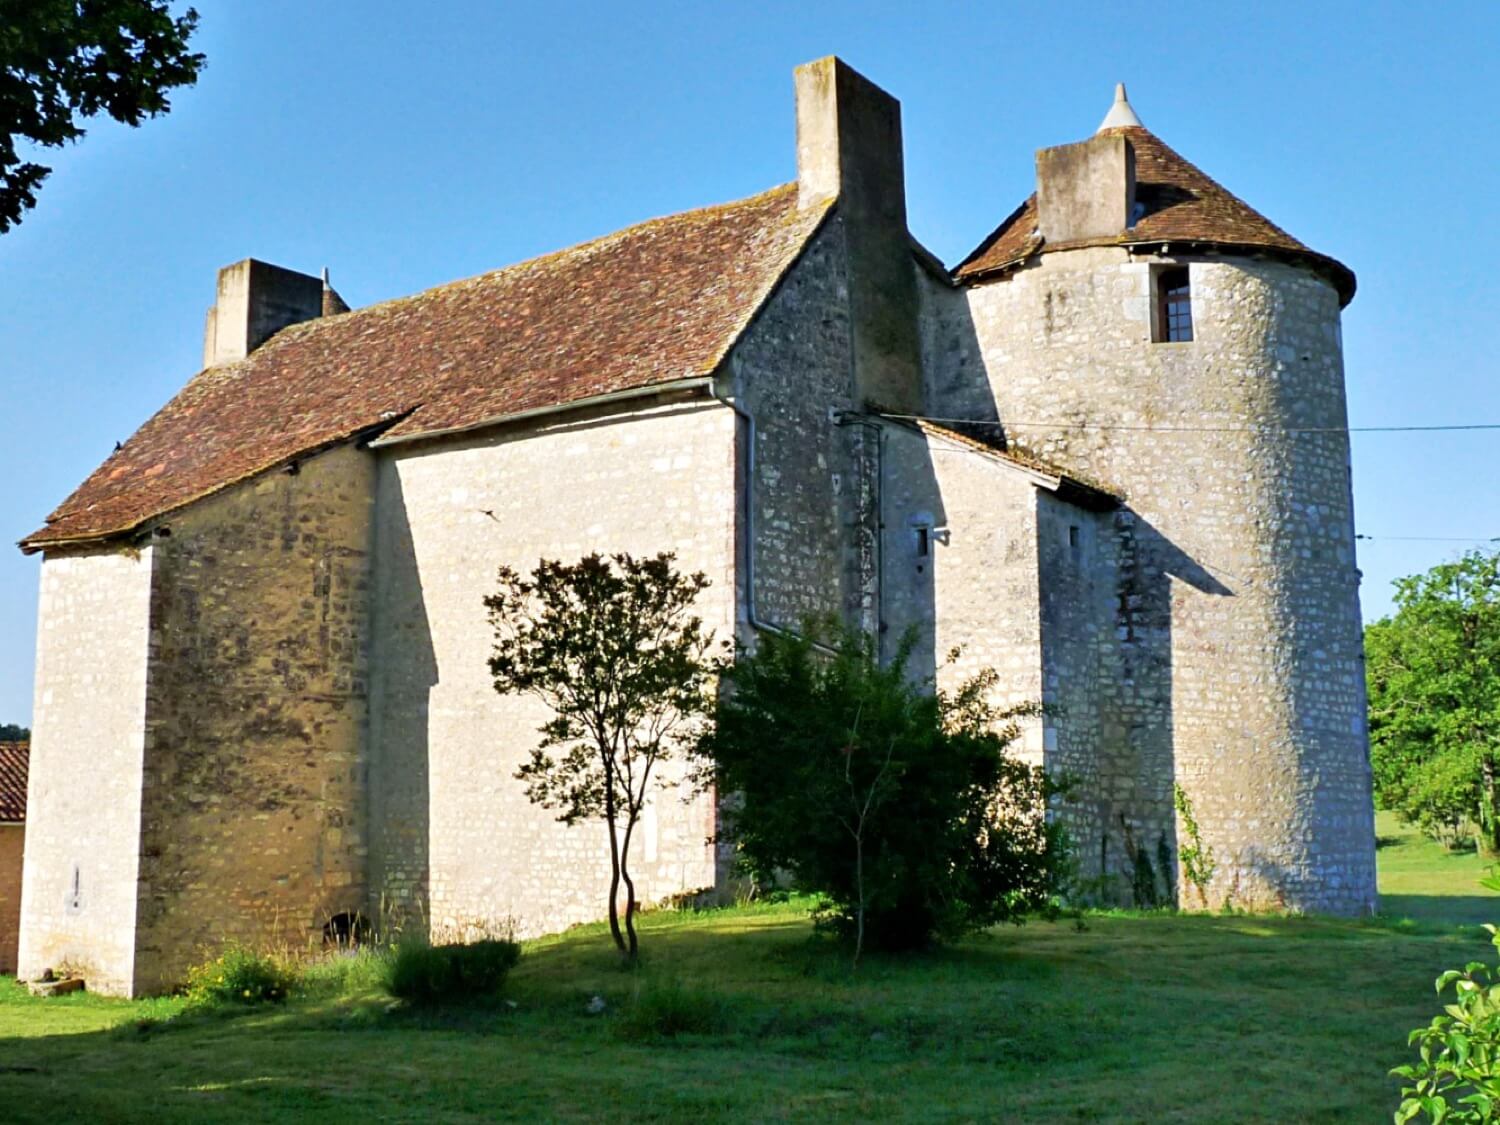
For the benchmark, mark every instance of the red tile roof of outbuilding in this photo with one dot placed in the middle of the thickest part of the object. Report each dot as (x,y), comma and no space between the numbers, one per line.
(13,760)
(652,304)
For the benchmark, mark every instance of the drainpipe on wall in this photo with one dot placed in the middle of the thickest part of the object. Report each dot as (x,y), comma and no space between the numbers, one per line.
(849,418)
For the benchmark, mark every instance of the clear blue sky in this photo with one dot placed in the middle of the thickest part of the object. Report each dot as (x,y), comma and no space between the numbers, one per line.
(407,145)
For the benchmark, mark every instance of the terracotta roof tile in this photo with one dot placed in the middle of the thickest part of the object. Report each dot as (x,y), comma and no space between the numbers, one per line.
(1182,205)
(13,759)
(652,304)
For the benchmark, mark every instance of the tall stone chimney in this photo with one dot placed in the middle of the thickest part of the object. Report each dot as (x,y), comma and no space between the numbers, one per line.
(255,301)
(849,146)
(1085,190)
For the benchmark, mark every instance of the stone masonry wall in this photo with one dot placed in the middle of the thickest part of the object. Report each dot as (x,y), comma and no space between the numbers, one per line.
(977,588)
(457,846)
(78,896)
(1237,667)
(813,503)
(12,844)
(252,825)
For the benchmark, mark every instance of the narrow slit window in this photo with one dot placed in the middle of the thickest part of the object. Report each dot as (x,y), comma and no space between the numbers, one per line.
(1174,306)
(924,545)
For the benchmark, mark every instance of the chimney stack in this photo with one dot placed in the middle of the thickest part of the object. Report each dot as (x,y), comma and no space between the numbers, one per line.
(255,301)
(849,147)
(1085,190)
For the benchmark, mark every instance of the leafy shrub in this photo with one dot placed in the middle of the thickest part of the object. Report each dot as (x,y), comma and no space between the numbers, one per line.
(1457,1079)
(240,976)
(900,805)
(426,975)
(664,1009)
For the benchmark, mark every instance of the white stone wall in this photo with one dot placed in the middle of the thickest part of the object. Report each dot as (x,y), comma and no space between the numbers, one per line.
(454,838)
(1236,666)
(977,590)
(78,902)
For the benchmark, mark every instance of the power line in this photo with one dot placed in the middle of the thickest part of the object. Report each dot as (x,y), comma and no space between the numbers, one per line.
(1061,425)
(1436,538)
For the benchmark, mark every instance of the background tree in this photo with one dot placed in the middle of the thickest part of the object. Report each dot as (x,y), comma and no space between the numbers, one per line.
(612,647)
(1434,680)
(11,732)
(62,61)
(901,806)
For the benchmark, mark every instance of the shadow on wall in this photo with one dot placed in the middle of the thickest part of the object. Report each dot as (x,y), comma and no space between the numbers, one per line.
(401,683)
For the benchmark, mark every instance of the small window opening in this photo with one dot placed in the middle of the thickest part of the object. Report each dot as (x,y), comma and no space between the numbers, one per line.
(1174,306)
(924,542)
(1075,541)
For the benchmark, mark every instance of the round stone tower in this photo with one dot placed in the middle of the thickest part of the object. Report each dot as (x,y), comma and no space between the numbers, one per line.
(1142,326)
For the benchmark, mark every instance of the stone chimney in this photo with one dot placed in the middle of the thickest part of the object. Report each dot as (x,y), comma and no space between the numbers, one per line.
(255,301)
(849,147)
(1085,190)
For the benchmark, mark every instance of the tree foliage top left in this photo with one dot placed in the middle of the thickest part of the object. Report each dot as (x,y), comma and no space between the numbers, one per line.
(62,61)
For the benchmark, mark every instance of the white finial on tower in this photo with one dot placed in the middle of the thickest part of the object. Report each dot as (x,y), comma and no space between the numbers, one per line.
(1120,113)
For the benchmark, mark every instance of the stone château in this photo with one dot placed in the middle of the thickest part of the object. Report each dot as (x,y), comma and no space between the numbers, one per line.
(1106,454)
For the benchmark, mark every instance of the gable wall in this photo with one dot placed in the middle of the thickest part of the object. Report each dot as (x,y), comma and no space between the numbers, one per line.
(457,847)
(87,747)
(812,497)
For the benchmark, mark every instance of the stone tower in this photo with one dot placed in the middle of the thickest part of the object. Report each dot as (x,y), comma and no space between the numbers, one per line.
(1138,324)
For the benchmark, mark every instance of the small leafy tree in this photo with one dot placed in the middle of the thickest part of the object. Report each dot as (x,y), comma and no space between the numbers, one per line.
(1434,679)
(612,647)
(1457,1078)
(11,732)
(899,805)
(65,60)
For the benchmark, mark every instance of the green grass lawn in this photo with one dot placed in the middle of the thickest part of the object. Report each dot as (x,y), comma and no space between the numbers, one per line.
(1145,1018)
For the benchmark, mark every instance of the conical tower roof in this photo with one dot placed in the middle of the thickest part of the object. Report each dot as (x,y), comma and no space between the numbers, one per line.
(1176,204)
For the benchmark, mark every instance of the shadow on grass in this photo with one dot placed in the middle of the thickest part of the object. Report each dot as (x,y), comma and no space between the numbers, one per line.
(1455,910)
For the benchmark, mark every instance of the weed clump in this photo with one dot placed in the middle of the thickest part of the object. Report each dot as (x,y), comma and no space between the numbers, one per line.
(428,975)
(240,976)
(665,1009)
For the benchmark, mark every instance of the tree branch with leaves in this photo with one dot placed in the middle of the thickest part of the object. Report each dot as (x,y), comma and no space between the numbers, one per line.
(610,644)
(62,61)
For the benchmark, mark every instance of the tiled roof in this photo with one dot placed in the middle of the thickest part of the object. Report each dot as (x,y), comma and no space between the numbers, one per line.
(13,758)
(1182,206)
(652,304)
(988,440)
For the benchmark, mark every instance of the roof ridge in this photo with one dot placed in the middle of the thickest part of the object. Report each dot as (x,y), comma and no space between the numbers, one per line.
(590,245)
(653,303)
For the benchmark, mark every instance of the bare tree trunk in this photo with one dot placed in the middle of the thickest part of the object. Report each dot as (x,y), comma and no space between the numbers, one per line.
(633,950)
(1488,836)
(859,883)
(614,859)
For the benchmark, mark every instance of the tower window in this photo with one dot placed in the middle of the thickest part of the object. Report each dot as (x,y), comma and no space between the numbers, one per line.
(1174,306)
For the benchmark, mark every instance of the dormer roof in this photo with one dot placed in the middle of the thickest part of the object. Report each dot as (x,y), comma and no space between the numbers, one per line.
(1178,206)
